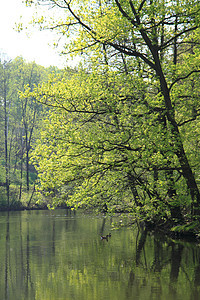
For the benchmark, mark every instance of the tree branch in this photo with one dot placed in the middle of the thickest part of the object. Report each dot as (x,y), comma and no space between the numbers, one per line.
(189,120)
(182,78)
(141,5)
(166,44)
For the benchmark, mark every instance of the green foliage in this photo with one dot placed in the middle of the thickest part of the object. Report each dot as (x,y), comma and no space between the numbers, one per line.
(3,200)
(189,227)
(99,131)
(19,121)
(125,127)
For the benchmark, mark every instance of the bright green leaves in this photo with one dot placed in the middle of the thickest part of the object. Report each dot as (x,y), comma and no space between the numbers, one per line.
(113,128)
(99,129)
(84,139)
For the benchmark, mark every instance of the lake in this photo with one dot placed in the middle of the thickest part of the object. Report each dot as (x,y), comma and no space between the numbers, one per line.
(59,255)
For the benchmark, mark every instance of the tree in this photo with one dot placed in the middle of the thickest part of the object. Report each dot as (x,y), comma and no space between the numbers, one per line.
(18,122)
(28,75)
(151,42)
(6,103)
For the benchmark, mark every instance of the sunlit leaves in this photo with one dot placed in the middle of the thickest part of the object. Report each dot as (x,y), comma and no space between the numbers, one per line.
(115,126)
(97,130)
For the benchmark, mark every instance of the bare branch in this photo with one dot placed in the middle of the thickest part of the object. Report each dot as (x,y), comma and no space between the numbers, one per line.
(182,78)
(124,13)
(130,52)
(141,5)
(166,44)
(189,120)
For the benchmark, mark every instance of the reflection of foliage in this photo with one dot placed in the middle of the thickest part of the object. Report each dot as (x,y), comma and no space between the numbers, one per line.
(190,227)
(62,257)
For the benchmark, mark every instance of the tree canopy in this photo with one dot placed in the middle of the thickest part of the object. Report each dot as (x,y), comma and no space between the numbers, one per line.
(124,130)
(20,120)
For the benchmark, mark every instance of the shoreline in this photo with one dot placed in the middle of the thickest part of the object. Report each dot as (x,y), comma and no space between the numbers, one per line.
(154,227)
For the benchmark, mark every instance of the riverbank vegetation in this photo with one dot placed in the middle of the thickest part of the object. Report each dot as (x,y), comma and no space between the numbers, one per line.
(20,120)
(122,133)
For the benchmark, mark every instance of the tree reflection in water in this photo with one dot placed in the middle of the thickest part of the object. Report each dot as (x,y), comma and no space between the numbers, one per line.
(59,255)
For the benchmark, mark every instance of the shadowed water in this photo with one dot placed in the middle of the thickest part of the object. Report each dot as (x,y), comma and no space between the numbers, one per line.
(59,255)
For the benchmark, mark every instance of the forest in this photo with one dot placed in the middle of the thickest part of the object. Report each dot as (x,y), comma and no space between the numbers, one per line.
(121,133)
(20,121)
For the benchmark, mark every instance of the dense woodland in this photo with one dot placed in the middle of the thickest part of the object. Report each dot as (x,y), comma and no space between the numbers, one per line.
(20,121)
(123,131)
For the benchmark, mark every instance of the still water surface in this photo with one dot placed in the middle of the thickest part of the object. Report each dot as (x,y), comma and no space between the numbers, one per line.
(58,255)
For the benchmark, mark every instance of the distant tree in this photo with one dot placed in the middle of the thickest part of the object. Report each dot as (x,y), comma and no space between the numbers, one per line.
(6,103)
(18,122)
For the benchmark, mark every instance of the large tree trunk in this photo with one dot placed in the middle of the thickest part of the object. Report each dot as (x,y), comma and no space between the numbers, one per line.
(156,66)
(132,184)
(179,149)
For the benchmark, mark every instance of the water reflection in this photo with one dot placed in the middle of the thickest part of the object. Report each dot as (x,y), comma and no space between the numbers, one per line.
(60,255)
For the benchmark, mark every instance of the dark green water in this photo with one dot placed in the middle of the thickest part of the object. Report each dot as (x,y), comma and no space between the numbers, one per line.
(58,255)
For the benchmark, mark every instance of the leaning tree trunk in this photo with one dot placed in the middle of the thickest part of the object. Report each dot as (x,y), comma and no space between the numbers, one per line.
(179,149)
(152,44)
